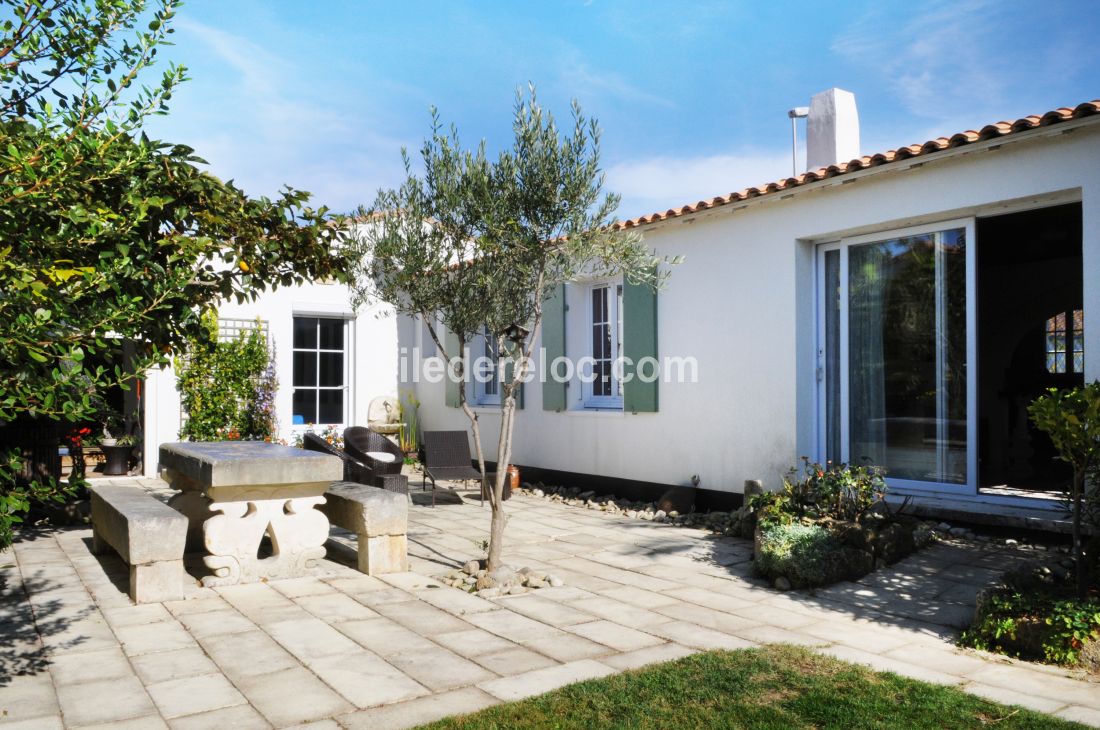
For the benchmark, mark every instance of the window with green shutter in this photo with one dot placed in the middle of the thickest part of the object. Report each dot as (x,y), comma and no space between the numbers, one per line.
(553,345)
(640,348)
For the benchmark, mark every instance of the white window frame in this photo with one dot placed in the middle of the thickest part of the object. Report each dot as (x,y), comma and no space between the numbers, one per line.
(902,485)
(482,348)
(347,365)
(615,318)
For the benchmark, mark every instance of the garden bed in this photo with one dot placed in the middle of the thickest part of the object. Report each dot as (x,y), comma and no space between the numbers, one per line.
(830,523)
(1035,614)
(817,553)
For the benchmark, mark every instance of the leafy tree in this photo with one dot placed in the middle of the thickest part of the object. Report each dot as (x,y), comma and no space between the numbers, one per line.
(107,236)
(477,245)
(1071,418)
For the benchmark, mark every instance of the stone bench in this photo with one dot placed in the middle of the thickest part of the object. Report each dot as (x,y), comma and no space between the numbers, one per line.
(148,534)
(378,518)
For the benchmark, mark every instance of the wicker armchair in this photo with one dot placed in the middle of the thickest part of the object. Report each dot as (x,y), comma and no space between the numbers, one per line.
(361,443)
(354,470)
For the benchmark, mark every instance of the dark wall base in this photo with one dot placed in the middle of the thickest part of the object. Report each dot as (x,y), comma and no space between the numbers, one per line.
(706,500)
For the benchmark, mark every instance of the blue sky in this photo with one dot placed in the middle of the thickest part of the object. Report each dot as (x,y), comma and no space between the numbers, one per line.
(692,97)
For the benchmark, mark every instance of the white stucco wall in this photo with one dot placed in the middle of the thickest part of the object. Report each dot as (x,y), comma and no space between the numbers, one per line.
(372,349)
(742,303)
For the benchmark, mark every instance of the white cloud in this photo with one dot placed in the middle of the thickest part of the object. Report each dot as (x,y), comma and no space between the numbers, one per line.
(659,183)
(945,57)
(260,123)
(583,81)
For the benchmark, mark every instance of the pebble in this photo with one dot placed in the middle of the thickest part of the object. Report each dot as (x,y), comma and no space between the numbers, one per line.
(471,567)
(782,584)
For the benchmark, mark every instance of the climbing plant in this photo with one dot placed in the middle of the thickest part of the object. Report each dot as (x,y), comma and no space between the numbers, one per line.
(227,387)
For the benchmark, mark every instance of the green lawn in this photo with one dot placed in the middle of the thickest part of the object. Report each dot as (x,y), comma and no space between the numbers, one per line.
(773,687)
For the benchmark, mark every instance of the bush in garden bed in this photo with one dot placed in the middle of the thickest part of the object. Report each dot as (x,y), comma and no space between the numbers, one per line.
(1047,624)
(830,524)
(808,555)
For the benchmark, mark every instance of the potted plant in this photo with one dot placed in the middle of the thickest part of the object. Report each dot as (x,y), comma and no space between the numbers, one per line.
(408,438)
(117,454)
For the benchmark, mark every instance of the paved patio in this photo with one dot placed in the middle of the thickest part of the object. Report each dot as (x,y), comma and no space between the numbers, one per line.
(340,649)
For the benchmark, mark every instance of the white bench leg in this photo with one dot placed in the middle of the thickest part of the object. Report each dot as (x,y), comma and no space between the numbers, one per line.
(383,554)
(99,545)
(156,582)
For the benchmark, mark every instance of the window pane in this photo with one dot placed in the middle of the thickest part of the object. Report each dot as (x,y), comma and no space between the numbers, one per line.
(305,405)
(1078,341)
(907,356)
(598,301)
(331,406)
(332,334)
(619,316)
(1056,342)
(305,332)
(305,368)
(952,435)
(332,369)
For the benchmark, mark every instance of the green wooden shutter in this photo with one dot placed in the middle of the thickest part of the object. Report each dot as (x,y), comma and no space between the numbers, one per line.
(553,345)
(639,341)
(454,349)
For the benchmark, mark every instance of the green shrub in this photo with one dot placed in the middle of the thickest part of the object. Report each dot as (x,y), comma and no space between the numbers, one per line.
(227,387)
(834,491)
(1040,625)
(1072,420)
(807,555)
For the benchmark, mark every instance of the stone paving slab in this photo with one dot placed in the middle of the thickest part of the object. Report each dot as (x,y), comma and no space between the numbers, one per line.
(340,649)
(541,681)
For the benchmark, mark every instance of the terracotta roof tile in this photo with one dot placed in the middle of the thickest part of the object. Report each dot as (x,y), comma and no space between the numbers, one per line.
(990,131)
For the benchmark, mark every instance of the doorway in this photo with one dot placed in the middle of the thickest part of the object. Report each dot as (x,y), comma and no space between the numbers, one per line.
(1030,338)
(933,341)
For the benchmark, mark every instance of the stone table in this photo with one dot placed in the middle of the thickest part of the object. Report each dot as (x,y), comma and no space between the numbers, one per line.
(253,489)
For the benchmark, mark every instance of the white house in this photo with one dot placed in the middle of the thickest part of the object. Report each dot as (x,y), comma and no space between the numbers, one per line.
(902,307)
(330,361)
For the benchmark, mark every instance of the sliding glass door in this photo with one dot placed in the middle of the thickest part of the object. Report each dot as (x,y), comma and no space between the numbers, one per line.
(895,326)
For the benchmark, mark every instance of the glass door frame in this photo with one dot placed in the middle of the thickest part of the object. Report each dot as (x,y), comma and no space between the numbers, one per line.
(822,359)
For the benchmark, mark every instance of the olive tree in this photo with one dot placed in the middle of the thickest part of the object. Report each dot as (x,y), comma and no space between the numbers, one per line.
(477,245)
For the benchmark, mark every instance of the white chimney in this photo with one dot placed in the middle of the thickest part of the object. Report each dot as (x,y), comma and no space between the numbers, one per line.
(832,129)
